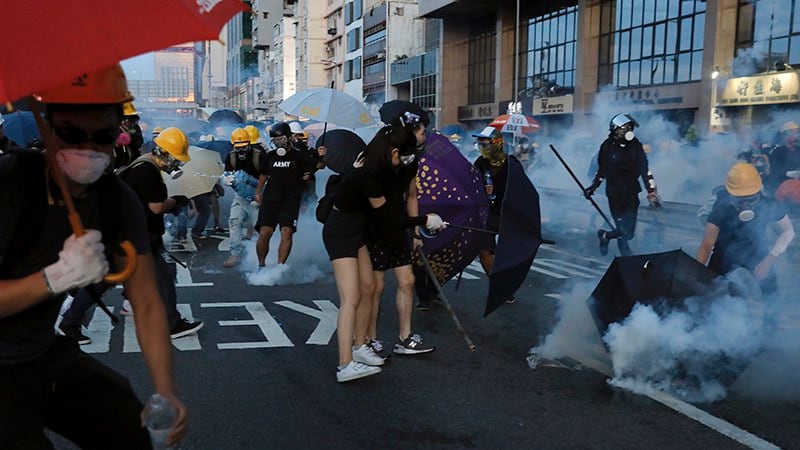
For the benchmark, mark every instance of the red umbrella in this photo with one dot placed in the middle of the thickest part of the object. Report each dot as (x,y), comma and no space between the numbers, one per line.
(94,34)
(515,123)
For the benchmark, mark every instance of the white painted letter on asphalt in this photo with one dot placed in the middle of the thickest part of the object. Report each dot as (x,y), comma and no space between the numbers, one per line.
(326,314)
(261,318)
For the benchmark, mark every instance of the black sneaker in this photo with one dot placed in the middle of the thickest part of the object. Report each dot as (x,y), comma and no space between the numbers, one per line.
(511,300)
(185,328)
(412,346)
(74,333)
(423,306)
(604,240)
(377,346)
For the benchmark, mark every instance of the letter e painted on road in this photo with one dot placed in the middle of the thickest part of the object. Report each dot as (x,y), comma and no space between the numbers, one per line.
(326,314)
(261,318)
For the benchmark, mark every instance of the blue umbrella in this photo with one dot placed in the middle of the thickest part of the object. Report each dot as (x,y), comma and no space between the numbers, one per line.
(20,127)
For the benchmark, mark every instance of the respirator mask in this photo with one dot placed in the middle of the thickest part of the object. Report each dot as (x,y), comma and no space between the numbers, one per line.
(745,206)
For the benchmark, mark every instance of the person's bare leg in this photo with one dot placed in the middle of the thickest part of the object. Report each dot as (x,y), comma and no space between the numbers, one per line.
(262,246)
(364,311)
(405,298)
(345,271)
(380,279)
(285,246)
(487,260)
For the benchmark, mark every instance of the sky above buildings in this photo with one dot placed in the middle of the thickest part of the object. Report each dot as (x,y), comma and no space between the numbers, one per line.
(140,67)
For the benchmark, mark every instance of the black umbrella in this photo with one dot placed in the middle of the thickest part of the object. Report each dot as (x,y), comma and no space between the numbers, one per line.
(520,235)
(396,108)
(223,116)
(663,280)
(343,147)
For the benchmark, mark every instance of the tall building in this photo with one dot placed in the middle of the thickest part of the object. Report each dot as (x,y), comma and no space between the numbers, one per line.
(334,50)
(310,44)
(242,65)
(212,75)
(283,64)
(353,12)
(171,93)
(266,14)
(413,77)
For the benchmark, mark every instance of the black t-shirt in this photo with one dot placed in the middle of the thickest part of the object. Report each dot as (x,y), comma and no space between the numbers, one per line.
(499,176)
(355,189)
(621,163)
(285,174)
(781,160)
(248,160)
(32,232)
(145,180)
(741,244)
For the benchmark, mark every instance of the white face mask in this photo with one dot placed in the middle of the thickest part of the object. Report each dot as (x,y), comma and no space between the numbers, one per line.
(82,166)
(629,136)
(281,151)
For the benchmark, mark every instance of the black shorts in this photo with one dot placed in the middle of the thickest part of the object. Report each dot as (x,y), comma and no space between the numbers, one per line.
(74,395)
(388,257)
(282,212)
(490,239)
(343,234)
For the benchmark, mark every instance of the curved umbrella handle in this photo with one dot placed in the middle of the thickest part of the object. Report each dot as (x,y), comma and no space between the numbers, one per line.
(133,261)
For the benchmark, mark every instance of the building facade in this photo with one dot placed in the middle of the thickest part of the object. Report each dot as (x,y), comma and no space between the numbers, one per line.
(310,38)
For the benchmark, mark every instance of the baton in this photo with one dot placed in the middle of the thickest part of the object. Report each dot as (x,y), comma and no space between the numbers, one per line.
(583,190)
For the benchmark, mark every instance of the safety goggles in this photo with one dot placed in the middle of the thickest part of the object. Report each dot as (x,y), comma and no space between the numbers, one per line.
(407,159)
(409,119)
(76,136)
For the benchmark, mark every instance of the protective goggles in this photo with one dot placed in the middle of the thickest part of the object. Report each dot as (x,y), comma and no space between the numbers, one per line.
(407,159)
(76,136)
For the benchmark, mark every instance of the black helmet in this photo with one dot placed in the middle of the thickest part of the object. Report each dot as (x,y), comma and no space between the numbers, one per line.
(280,129)
(621,120)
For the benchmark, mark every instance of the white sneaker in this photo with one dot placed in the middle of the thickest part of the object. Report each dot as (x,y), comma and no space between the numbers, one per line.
(127,309)
(365,354)
(355,370)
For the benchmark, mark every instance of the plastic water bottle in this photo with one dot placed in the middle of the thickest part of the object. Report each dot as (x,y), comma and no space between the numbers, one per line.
(160,420)
(487,180)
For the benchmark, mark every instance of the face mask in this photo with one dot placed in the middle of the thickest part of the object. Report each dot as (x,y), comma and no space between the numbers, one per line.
(172,167)
(83,166)
(745,207)
(280,151)
(629,135)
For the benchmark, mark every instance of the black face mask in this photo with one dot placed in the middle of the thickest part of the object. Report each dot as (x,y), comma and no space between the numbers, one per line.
(746,206)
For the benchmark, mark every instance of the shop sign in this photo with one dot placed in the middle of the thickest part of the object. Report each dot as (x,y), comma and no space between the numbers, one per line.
(477,112)
(552,105)
(666,97)
(761,90)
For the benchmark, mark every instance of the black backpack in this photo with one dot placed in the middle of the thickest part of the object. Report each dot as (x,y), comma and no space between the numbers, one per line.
(325,204)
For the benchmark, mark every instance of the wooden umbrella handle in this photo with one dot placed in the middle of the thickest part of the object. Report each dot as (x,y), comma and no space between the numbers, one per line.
(130,267)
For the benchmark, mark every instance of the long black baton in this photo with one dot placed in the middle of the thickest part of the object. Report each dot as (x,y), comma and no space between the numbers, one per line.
(433,278)
(583,190)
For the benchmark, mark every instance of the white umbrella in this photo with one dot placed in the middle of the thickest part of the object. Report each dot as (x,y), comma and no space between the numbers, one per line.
(328,105)
(200,174)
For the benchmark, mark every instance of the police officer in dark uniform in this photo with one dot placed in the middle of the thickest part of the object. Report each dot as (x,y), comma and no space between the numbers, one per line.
(621,161)
(286,169)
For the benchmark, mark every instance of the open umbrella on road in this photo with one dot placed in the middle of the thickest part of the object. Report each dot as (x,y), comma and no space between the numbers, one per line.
(520,235)
(328,105)
(396,108)
(200,174)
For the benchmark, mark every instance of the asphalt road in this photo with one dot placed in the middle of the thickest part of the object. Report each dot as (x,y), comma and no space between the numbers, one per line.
(261,374)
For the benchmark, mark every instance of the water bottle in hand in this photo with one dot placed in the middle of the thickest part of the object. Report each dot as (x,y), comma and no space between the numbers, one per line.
(487,180)
(161,418)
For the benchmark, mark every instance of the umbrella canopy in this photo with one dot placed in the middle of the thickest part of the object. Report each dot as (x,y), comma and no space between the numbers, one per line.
(447,184)
(343,147)
(93,37)
(200,174)
(517,124)
(328,105)
(658,279)
(224,117)
(520,235)
(20,127)
(396,108)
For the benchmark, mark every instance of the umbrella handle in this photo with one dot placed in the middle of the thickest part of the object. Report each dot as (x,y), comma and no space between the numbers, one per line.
(130,267)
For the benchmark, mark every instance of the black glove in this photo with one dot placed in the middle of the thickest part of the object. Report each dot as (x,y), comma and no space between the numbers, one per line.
(180,200)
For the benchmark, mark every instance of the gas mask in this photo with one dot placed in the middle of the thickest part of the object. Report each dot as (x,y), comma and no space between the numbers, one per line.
(172,167)
(629,136)
(82,166)
(745,206)
(279,144)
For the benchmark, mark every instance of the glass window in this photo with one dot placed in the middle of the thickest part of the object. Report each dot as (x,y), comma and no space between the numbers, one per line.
(684,66)
(480,69)
(686,41)
(766,35)
(624,7)
(638,10)
(673,9)
(550,56)
(647,41)
(636,43)
(658,39)
(635,70)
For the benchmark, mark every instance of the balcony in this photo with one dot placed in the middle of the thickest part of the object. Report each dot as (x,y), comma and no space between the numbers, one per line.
(375,51)
(332,31)
(404,70)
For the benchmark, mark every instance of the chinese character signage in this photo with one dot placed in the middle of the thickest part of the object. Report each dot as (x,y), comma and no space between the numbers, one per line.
(552,105)
(761,90)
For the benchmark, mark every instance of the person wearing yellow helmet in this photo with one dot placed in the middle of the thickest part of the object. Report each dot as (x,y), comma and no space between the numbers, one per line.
(784,160)
(46,380)
(130,142)
(736,233)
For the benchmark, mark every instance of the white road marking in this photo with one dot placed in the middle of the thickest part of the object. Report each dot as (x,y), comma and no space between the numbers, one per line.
(184,278)
(560,266)
(327,314)
(130,343)
(547,272)
(99,330)
(261,318)
(555,249)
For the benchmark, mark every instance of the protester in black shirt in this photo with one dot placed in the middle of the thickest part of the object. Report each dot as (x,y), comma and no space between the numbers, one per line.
(45,380)
(300,142)
(360,203)
(286,169)
(784,160)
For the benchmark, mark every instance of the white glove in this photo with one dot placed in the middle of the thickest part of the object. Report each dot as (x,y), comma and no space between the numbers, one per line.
(227,180)
(435,223)
(793,174)
(80,263)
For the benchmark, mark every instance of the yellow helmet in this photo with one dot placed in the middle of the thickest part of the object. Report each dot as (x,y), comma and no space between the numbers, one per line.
(173,141)
(104,86)
(129,110)
(240,138)
(157,131)
(743,180)
(253,133)
(790,125)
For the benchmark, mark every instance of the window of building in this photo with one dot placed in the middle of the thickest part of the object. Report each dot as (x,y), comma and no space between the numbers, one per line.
(548,67)
(767,36)
(645,42)
(423,91)
(354,40)
(352,69)
(481,61)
